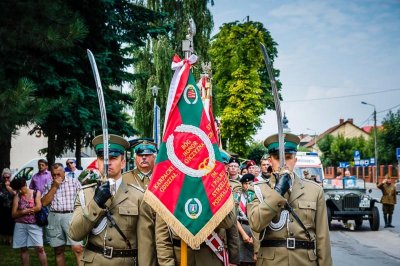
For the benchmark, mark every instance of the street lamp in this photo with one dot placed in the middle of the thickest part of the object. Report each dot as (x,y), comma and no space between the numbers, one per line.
(154,92)
(375,144)
(315,138)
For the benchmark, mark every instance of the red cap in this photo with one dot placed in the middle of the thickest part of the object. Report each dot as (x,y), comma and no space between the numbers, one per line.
(250,163)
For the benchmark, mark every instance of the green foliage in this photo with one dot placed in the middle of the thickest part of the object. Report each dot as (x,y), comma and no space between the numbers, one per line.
(389,138)
(154,59)
(241,87)
(341,149)
(256,151)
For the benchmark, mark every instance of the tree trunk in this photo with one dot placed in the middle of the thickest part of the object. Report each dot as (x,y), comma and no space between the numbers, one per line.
(78,146)
(5,148)
(51,147)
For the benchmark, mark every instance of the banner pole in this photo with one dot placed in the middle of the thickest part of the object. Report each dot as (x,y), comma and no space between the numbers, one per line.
(183,253)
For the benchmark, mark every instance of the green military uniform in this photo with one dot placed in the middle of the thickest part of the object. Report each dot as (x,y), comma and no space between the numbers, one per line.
(283,240)
(105,245)
(137,178)
(169,251)
(388,201)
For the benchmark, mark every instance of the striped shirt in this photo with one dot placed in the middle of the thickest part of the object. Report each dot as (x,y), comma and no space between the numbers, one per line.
(64,198)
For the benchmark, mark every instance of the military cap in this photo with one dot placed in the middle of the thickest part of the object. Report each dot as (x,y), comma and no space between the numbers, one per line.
(144,146)
(250,163)
(306,172)
(224,156)
(247,178)
(234,160)
(290,141)
(116,145)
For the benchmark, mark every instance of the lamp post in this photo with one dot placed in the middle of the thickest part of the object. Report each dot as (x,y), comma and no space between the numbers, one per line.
(375,143)
(315,138)
(154,92)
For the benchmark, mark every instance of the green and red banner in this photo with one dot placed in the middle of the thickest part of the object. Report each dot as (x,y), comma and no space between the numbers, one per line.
(189,188)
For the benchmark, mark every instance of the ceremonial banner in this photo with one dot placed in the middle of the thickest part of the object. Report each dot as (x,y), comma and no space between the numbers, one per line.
(189,188)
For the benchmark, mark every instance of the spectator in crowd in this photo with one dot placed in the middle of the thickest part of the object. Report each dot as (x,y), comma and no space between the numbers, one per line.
(244,171)
(60,195)
(251,167)
(266,169)
(27,233)
(388,200)
(41,178)
(71,169)
(233,169)
(6,198)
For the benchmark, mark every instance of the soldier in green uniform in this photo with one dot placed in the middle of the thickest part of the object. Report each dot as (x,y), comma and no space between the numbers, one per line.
(388,200)
(111,217)
(299,237)
(145,155)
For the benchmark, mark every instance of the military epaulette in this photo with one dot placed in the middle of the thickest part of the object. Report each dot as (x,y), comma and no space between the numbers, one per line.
(138,188)
(235,182)
(89,185)
(311,182)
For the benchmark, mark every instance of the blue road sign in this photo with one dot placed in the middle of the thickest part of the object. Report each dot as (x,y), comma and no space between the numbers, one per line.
(344,164)
(371,161)
(356,162)
(357,155)
(398,153)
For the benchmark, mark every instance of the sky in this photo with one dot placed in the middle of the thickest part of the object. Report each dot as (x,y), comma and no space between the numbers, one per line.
(332,55)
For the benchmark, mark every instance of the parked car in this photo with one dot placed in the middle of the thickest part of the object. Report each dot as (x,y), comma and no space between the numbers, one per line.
(348,199)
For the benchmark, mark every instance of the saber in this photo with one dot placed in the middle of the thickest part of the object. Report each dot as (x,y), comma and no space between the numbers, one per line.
(103,113)
(277,106)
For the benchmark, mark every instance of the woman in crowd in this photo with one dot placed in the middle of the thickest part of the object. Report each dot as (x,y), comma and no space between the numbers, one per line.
(26,232)
(6,198)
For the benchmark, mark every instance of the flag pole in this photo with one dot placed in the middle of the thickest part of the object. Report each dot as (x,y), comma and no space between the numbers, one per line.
(187,48)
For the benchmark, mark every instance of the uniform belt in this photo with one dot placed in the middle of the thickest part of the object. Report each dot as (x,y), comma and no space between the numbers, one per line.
(110,252)
(290,243)
(177,243)
(62,211)
(244,222)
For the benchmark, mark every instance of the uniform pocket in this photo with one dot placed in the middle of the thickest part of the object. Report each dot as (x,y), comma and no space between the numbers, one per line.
(267,253)
(128,216)
(307,212)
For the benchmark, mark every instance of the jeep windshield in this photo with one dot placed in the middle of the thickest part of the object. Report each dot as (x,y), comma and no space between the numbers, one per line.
(345,183)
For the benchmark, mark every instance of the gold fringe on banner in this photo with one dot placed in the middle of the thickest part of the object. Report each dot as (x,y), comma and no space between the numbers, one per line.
(194,241)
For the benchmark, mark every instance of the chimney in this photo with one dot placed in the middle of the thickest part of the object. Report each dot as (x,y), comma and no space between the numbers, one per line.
(350,120)
(341,120)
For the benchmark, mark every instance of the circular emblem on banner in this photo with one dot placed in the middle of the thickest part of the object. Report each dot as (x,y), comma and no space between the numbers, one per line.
(190,94)
(206,166)
(193,208)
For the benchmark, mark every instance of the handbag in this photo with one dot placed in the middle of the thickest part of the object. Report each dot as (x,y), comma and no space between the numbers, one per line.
(41,216)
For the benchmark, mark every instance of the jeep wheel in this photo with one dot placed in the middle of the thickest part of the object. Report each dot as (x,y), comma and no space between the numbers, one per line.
(374,219)
(359,222)
(329,213)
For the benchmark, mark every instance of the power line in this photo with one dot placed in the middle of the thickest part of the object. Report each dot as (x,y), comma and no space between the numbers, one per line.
(338,97)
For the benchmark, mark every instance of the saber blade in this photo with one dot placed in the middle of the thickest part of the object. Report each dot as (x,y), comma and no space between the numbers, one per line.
(103,113)
(277,106)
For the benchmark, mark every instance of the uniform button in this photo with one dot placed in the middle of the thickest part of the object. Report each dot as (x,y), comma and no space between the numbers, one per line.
(308,205)
(94,213)
(129,211)
(291,220)
(109,239)
(279,205)
(291,234)
(110,226)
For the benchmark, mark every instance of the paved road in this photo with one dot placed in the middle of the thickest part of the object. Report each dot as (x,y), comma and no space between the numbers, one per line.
(365,247)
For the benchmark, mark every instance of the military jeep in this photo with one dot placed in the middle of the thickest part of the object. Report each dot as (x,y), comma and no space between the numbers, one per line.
(348,199)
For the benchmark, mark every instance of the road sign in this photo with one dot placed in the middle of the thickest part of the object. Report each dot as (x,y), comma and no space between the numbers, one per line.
(398,153)
(366,162)
(344,164)
(357,155)
(356,162)
(371,161)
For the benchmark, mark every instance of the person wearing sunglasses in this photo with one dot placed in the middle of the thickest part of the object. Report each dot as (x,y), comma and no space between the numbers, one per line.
(71,169)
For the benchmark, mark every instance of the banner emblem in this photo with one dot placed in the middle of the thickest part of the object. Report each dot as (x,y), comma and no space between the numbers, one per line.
(193,208)
(190,94)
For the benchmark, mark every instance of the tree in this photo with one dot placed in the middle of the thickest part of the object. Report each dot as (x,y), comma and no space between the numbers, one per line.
(154,67)
(242,89)
(389,138)
(256,151)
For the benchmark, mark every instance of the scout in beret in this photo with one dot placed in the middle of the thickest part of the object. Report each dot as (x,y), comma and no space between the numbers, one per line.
(247,178)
